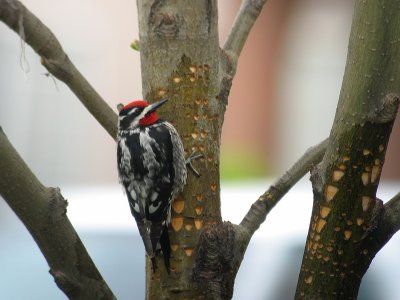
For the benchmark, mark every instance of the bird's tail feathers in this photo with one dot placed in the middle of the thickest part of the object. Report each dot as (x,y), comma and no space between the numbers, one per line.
(166,247)
(145,234)
(155,236)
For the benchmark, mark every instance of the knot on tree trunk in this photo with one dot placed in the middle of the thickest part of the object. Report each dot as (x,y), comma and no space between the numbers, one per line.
(57,205)
(387,109)
(58,65)
(70,286)
(214,269)
(316,179)
(376,218)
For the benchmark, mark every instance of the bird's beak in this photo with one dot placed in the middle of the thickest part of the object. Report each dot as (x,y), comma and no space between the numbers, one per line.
(154,106)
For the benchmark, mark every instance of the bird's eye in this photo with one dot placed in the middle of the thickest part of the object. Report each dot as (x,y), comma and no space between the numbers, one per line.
(132,111)
(127,117)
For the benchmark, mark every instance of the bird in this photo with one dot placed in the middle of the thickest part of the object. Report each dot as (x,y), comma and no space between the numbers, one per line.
(152,170)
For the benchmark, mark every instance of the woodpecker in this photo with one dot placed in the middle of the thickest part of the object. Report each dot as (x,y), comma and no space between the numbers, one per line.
(152,171)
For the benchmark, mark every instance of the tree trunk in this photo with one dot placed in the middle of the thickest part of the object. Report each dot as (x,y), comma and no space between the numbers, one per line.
(180,61)
(347,216)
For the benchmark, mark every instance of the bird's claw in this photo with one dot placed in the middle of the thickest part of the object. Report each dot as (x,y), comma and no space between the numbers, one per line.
(193,156)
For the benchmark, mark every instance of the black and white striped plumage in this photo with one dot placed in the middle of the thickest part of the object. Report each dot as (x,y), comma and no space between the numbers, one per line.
(152,170)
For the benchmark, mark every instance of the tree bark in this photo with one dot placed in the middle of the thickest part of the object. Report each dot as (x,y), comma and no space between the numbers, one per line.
(180,60)
(346,216)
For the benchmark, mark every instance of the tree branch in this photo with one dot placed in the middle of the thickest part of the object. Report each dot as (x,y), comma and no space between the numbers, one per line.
(391,218)
(244,21)
(259,209)
(43,212)
(386,225)
(55,60)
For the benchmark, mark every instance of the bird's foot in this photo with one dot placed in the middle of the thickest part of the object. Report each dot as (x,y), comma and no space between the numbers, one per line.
(193,156)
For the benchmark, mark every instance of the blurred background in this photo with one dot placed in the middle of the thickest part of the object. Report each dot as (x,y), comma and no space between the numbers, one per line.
(288,83)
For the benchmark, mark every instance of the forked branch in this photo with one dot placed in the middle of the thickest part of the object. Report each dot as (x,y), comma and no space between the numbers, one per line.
(222,246)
